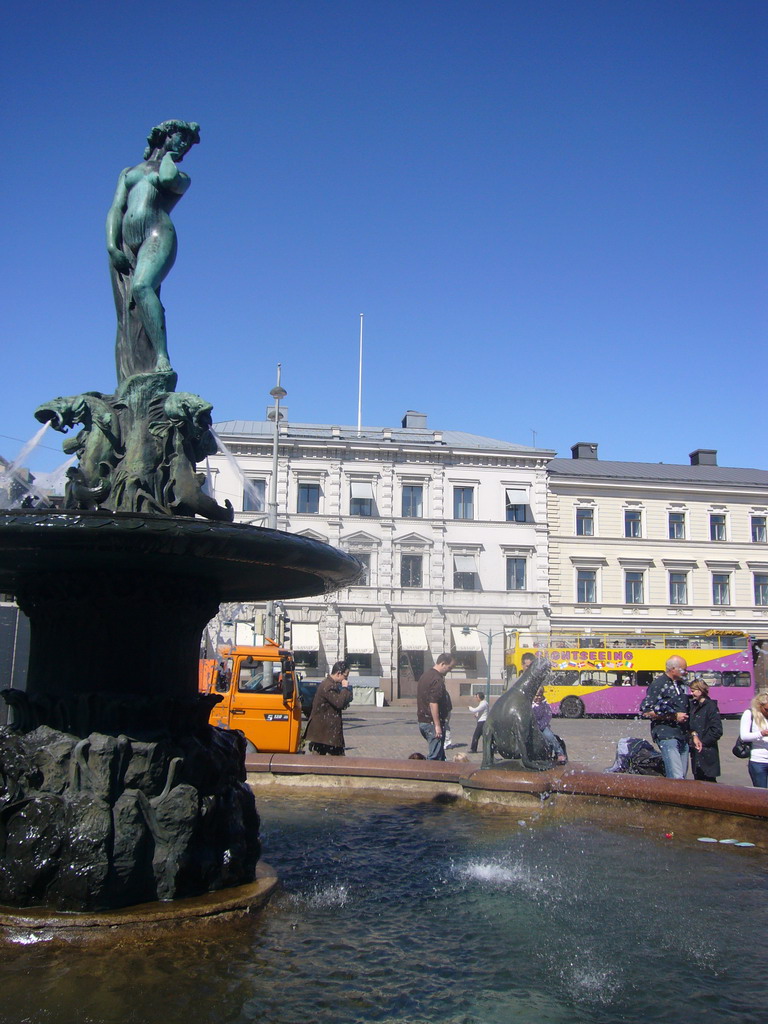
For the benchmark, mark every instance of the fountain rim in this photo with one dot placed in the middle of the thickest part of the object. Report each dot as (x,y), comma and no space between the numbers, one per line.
(143,918)
(503,786)
(240,561)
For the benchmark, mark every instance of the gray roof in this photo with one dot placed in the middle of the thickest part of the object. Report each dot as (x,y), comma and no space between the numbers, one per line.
(399,435)
(596,469)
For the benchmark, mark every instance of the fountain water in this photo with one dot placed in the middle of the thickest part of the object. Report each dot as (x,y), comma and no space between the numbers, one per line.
(255,497)
(17,486)
(398,911)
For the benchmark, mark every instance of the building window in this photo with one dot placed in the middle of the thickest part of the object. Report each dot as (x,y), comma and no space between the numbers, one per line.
(717,527)
(463,503)
(361,498)
(633,523)
(365,558)
(306,660)
(678,588)
(585,522)
(515,574)
(413,501)
(308,502)
(254,492)
(761,588)
(677,526)
(633,587)
(586,586)
(517,513)
(466,661)
(721,588)
(465,573)
(759,534)
(359,664)
(410,571)
(516,504)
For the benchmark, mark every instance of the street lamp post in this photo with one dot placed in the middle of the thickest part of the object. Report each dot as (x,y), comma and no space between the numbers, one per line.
(490,637)
(277,393)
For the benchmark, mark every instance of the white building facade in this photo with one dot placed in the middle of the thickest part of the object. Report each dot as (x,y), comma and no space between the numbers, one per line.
(451,528)
(641,547)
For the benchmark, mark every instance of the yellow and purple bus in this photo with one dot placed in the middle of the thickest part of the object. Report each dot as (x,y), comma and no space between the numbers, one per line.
(608,674)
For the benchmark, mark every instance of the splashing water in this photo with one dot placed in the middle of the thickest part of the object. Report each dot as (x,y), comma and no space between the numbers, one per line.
(255,499)
(324,897)
(16,487)
(28,448)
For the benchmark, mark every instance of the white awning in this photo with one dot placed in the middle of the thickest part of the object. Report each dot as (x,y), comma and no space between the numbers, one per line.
(517,495)
(464,563)
(305,636)
(465,641)
(361,489)
(413,638)
(359,639)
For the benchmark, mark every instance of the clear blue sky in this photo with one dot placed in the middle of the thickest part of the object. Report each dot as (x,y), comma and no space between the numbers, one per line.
(551,212)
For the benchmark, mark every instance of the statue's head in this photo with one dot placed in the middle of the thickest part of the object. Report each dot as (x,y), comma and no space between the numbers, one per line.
(183,135)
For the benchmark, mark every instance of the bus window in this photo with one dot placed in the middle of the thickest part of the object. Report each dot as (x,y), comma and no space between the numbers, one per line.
(563,679)
(621,678)
(722,678)
(645,678)
(594,678)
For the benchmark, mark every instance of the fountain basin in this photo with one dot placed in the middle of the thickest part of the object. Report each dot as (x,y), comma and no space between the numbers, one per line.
(115,790)
(414,906)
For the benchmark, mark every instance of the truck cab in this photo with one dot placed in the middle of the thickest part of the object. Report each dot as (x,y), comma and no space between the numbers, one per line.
(260,695)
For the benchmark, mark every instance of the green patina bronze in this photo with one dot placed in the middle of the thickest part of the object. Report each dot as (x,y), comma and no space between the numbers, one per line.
(138,448)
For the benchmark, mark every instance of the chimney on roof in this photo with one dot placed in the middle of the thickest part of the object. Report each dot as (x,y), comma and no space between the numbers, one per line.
(415,420)
(584,450)
(703,457)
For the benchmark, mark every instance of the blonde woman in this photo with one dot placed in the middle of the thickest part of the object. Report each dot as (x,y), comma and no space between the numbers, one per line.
(754,730)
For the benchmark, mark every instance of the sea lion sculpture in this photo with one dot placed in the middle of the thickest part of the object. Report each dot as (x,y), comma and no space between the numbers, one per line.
(511,730)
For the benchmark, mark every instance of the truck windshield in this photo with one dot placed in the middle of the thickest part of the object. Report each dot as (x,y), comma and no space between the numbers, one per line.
(259,676)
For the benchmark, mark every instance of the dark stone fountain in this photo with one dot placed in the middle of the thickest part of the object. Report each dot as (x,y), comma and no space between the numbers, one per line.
(114,790)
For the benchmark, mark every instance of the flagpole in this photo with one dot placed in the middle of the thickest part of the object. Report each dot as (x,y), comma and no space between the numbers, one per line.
(360,384)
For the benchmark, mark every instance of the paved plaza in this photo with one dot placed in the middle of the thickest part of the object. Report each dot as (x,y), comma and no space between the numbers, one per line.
(393,732)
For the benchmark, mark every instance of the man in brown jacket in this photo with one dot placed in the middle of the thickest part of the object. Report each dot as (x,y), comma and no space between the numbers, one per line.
(324,732)
(433,706)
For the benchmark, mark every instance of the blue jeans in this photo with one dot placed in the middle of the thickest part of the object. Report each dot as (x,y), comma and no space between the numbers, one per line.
(675,754)
(553,741)
(758,772)
(436,743)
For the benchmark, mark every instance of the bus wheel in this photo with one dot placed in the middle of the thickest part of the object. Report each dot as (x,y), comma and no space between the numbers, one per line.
(572,707)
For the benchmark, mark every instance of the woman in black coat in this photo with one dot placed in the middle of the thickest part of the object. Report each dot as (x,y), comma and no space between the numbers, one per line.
(706,728)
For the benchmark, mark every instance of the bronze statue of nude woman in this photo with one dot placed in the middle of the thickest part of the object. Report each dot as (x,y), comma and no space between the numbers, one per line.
(141,242)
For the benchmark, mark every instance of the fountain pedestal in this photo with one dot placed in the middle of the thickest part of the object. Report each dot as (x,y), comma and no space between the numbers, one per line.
(114,790)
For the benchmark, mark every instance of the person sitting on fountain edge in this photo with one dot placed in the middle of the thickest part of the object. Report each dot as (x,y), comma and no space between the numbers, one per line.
(542,713)
(433,706)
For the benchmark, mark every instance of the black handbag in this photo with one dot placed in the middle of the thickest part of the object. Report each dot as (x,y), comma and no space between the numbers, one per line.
(742,749)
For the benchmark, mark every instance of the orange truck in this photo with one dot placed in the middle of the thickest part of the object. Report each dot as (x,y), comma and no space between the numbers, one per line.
(260,695)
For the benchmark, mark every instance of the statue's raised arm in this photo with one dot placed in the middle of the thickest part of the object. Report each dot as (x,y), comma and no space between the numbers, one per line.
(141,242)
